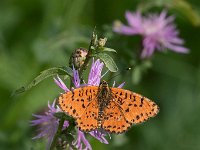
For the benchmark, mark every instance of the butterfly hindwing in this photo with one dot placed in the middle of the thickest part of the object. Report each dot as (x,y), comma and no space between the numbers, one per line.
(88,120)
(114,120)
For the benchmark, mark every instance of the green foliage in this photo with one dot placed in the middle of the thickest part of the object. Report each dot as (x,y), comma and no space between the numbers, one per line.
(110,64)
(98,50)
(106,49)
(46,74)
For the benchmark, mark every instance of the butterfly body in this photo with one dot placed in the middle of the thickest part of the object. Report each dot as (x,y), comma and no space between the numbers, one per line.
(104,97)
(113,109)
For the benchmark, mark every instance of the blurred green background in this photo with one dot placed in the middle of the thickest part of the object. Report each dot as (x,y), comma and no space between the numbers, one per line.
(39,34)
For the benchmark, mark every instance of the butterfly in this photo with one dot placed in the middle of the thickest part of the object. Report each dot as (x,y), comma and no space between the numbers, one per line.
(113,109)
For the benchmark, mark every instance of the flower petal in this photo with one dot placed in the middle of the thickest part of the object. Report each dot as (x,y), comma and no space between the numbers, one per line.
(95,73)
(61,84)
(123,29)
(121,85)
(99,136)
(76,79)
(82,140)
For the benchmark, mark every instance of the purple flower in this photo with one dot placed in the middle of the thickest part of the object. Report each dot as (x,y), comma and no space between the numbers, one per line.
(48,123)
(158,32)
(94,79)
(82,140)
(61,84)
(100,135)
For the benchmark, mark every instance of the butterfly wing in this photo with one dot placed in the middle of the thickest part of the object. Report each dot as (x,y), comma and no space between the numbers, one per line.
(88,120)
(135,107)
(75,102)
(114,120)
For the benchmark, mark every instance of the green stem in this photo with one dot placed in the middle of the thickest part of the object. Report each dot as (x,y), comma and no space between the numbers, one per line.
(59,130)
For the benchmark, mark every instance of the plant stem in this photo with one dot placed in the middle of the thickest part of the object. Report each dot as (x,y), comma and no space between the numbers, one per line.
(59,130)
(88,56)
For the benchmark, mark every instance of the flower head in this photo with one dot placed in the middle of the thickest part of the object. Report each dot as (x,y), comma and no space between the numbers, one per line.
(158,32)
(48,123)
(78,57)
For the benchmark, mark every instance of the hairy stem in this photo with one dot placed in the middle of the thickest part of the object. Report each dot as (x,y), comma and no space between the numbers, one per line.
(88,56)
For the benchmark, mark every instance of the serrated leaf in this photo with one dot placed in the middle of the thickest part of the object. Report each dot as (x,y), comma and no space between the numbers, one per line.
(109,49)
(109,62)
(43,75)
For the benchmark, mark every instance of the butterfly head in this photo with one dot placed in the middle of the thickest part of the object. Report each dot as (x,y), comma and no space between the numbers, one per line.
(103,84)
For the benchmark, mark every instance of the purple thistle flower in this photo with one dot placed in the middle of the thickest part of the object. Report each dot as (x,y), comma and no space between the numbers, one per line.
(93,79)
(48,123)
(158,32)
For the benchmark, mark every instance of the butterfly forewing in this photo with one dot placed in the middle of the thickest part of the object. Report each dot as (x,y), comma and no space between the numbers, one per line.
(75,102)
(135,107)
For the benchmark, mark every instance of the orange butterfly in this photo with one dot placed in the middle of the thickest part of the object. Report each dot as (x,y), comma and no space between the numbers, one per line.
(113,109)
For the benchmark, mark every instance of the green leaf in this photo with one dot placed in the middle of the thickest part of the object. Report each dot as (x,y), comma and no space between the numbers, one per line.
(109,62)
(109,49)
(43,75)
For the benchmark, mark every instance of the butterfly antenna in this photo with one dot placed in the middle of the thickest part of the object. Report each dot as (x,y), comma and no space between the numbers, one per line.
(127,69)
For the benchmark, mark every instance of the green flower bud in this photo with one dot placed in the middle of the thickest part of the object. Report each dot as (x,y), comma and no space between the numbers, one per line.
(102,42)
